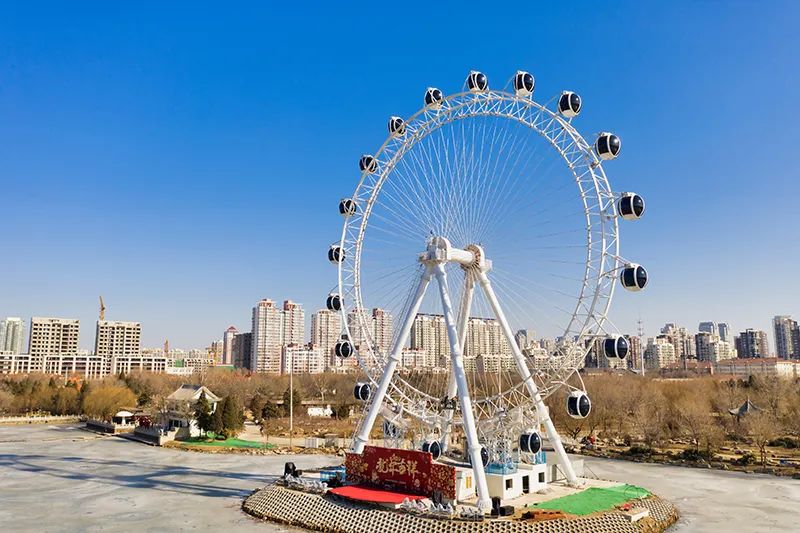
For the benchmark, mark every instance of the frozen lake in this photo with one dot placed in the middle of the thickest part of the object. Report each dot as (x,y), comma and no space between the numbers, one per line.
(60,478)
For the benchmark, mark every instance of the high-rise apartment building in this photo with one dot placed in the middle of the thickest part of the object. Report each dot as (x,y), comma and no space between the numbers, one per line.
(485,337)
(659,353)
(707,327)
(241,350)
(752,343)
(784,345)
(12,335)
(294,323)
(429,335)
(326,327)
(227,345)
(51,336)
(681,339)
(724,331)
(382,330)
(307,359)
(711,348)
(358,321)
(114,338)
(524,338)
(267,338)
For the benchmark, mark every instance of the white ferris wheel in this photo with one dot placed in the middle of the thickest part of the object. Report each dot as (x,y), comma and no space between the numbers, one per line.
(483,216)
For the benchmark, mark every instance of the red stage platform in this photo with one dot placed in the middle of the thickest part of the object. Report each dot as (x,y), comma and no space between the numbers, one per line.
(362,493)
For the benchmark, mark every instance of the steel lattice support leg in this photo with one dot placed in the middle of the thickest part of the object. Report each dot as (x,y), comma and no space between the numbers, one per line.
(525,374)
(457,368)
(362,437)
(463,322)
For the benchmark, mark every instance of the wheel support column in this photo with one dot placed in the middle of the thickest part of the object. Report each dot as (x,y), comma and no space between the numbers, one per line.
(362,437)
(457,370)
(463,321)
(525,374)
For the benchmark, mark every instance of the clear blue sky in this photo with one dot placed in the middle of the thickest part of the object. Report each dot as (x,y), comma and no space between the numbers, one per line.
(186,161)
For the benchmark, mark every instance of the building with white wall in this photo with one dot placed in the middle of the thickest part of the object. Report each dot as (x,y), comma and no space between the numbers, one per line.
(326,327)
(52,336)
(116,338)
(12,335)
(267,338)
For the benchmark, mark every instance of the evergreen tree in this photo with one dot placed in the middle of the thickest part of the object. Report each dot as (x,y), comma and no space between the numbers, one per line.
(296,403)
(82,394)
(202,413)
(217,424)
(271,410)
(231,416)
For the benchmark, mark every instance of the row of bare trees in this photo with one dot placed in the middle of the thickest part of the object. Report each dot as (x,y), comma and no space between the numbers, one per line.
(653,412)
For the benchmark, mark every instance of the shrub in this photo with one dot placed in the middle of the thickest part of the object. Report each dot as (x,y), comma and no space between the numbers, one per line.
(785,442)
(640,451)
(746,459)
(696,455)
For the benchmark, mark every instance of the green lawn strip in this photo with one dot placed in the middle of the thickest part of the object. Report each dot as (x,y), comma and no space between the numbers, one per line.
(594,499)
(228,443)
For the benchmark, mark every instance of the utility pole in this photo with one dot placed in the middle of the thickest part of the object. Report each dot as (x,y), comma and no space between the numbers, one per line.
(291,397)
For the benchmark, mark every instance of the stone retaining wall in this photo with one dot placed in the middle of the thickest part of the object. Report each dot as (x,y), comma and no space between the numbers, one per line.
(320,513)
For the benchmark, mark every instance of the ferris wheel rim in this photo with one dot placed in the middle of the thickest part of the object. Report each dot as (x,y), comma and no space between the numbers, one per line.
(606,219)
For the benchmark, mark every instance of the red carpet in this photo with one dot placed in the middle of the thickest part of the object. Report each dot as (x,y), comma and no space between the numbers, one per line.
(367,494)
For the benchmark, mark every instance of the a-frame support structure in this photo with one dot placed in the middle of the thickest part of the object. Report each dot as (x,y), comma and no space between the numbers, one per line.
(476,267)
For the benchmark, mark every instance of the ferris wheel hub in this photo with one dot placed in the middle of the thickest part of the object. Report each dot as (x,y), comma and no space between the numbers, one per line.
(441,251)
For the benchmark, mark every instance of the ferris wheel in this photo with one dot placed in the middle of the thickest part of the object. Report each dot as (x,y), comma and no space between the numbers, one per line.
(491,197)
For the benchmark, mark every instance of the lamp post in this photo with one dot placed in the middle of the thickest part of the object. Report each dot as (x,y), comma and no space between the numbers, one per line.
(291,397)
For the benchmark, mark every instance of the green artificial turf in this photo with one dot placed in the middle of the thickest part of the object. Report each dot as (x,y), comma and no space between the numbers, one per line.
(594,499)
(228,443)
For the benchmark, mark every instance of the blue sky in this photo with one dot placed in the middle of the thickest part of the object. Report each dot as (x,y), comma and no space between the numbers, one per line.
(186,161)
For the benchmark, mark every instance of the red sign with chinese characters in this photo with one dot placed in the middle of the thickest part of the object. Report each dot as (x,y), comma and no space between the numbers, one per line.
(408,471)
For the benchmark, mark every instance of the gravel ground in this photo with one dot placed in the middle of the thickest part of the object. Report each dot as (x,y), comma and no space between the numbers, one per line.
(60,478)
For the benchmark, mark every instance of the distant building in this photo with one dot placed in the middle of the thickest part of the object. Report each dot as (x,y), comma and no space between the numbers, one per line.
(114,338)
(524,338)
(752,343)
(51,336)
(411,359)
(770,366)
(326,327)
(724,331)
(783,325)
(293,323)
(660,352)
(382,330)
(429,335)
(227,345)
(12,335)
(711,348)
(494,363)
(708,327)
(307,359)
(266,351)
(241,350)
(796,340)
(681,340)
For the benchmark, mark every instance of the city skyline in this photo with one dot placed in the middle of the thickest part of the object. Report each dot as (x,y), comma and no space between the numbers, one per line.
(212,145)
